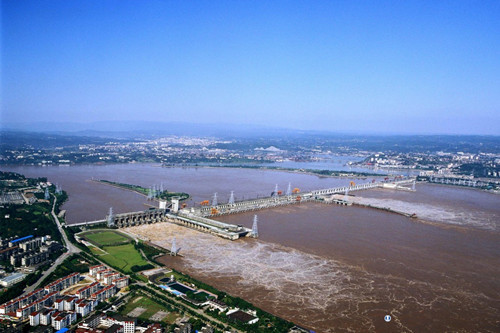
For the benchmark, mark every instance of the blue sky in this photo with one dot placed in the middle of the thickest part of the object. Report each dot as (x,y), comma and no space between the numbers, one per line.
(364,66)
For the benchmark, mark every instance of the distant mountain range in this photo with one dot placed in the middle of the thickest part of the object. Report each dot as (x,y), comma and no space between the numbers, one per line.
(151,129)
(243,136)
(148,129)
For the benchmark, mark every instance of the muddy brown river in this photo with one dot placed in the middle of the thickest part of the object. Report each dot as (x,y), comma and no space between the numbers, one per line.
(326,267)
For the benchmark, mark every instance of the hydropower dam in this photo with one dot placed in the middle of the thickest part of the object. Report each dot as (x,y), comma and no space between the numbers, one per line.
(199,218)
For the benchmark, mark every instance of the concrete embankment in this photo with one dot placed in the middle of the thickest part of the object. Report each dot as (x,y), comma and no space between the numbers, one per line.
(387,209)
(352,200)
(117,186)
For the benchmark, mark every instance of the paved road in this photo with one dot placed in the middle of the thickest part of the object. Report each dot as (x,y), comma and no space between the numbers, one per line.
(71,250)
(180,304)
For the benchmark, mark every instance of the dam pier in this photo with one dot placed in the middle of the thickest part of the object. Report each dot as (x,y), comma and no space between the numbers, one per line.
(199,218)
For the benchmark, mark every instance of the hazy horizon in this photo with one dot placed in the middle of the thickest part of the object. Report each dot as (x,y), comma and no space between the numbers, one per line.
(142,128)
(341,67)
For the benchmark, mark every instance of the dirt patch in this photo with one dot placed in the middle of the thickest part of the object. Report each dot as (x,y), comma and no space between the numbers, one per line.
(136,312)
(137,299)
(158,316)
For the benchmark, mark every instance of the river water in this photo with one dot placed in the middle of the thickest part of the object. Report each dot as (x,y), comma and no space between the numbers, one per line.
(329,268)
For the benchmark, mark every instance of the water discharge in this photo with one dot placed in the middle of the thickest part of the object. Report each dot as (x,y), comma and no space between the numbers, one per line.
(326,267)
(320,292)
(435,213)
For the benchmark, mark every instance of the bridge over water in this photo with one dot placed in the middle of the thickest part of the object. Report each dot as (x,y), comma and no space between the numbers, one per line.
(198,218)
(275,201)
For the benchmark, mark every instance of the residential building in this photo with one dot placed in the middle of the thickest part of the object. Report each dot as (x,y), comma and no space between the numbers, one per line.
(154,328)
(100,274)
(94,269)
(59,304)
(34,318)
(45,316)
(121,282)
(108,278)
(127,322)
(25,311)
(84,307)
(63,319)
(104,293)
(86,291)
(69,303)
(63,283)
(13,305)
(93,321)
(35,258)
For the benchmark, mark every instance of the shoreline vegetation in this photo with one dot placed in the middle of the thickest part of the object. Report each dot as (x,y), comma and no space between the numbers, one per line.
(166,195)
(312,172)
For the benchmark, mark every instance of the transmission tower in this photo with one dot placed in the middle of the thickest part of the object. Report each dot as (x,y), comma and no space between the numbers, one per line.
(289,189)
(150,193)
(275,193)
(161,187)
(47,196)
(111,218)
(214,200)
(231,198)
(255,230)
(174,250)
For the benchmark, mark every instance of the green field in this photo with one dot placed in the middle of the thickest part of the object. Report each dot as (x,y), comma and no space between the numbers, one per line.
(151,308)
(114,248)
(106,238)
(96,251)
(123,257)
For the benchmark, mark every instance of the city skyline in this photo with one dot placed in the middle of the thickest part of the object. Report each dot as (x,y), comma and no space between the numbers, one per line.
(385,67)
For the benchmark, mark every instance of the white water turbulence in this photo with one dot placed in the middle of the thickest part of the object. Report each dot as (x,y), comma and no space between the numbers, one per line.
(289,277)
(309,288)
(454,215)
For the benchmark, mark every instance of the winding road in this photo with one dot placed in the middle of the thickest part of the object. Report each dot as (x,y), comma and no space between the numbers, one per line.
(71,250)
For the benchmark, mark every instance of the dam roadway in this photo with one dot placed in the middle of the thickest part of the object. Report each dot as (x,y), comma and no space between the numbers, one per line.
(198,218)
(275,201)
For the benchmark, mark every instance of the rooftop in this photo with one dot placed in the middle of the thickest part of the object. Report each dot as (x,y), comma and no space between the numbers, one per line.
(118,317)
(12,277)
(21,239)
(62,330)
(241,316)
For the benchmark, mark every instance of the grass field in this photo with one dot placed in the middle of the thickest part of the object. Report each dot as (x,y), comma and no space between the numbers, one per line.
(106,238)
(115,249)
(151,308)
(96,251)
(123,257)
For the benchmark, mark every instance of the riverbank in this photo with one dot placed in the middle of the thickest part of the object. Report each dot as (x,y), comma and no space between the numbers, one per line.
(311,172)
(143,191)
